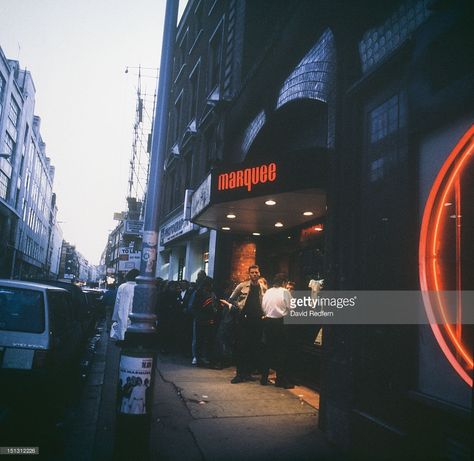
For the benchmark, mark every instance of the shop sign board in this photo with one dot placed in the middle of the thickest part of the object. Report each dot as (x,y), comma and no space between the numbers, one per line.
(201,197)
(174,229)
(133,227)
(129,259)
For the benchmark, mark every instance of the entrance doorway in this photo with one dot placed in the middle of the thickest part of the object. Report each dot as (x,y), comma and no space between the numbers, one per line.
(300,253)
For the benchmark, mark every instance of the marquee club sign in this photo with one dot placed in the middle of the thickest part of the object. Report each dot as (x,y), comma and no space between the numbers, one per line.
(247,177)
(296,171)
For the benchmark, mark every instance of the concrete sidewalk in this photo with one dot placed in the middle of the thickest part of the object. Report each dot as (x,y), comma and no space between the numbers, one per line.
(199,415)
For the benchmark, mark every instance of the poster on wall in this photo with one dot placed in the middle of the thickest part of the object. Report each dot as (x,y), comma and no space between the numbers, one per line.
(134,386)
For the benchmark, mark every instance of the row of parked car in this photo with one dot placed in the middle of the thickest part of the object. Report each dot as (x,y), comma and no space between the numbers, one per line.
(43,325)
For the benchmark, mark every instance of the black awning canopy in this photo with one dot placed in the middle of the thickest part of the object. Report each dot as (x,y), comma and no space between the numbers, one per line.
(265,196)
(254,215)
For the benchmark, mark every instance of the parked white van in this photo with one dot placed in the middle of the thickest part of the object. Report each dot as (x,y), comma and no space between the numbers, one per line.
(40,335)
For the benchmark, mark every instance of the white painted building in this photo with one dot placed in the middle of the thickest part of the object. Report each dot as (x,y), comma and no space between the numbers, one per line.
(26,178)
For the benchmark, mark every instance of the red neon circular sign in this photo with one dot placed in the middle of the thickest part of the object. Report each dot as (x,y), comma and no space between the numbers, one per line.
(442,242)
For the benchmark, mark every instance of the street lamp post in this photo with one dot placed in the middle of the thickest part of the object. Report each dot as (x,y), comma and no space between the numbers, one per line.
(142,317)
(137,359)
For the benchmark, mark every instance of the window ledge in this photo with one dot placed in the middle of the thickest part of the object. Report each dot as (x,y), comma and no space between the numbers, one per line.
(439,404)
(196,40)
(180,73)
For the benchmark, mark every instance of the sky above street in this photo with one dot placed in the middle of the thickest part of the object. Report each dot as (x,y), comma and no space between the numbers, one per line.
(77,53)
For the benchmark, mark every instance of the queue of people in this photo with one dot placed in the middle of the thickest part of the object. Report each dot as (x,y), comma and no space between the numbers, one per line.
(243,325)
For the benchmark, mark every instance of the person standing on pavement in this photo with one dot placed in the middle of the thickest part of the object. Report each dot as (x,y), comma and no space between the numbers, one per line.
(185,331)
(201,276)
(247,298)
(276,305)
(206,308)
(225,335)
(123,305)
(108,302)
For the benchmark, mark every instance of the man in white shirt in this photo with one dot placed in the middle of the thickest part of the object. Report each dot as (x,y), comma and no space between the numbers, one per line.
(123,305)
(275,306)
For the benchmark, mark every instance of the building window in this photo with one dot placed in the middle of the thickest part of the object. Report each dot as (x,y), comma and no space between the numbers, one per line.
(169,191)
(178,110)
(210,148)
(253,129)
(22,164)
(2,92)
(378,42)
(197,23)
(13,116)
(384,124)
(23,210)
(180,56)
(384,120)
(376,170)
(188,162)
(215,58)
(194,88)
(8,146)
(3,185)
(314,75)
(17,197)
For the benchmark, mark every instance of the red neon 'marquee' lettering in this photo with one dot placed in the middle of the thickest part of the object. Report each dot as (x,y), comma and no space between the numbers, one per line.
(247,177)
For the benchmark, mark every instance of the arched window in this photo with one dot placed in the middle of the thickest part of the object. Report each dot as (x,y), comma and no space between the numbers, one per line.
(313,77)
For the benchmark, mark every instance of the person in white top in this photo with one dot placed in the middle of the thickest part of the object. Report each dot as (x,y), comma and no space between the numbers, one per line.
(276,305)
(123,305)
(276,301)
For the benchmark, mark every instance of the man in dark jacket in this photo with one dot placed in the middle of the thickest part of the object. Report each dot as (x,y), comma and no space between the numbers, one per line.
(205,308)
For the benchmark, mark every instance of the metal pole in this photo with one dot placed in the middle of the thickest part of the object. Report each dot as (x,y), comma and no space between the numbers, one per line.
(137,359)
(142,317)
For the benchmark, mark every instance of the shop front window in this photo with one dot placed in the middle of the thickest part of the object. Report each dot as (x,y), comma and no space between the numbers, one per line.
(446,255)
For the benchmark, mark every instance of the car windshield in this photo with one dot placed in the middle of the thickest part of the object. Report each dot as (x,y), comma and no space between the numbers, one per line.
(21,310)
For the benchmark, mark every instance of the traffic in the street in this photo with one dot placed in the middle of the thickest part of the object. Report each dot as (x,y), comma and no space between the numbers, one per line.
(47,342)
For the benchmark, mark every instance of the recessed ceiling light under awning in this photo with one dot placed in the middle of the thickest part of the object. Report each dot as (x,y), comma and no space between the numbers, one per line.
(253,215)
(262,198)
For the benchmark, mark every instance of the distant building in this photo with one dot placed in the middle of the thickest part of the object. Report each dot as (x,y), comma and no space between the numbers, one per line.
(93,274)
(26,178)
(69,266)
(55,242)
(123,250)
